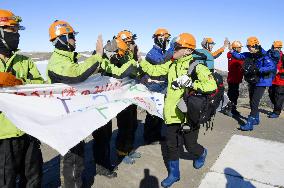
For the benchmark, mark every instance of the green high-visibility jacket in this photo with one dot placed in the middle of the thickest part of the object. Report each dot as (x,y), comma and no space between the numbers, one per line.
(119,62)
(64,68)
(23,68)
(175,69)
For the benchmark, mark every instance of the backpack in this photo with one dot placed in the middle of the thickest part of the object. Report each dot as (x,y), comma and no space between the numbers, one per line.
(251,71)
(201,107)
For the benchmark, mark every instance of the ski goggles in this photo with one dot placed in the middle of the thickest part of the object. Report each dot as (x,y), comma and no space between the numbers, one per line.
(72,35)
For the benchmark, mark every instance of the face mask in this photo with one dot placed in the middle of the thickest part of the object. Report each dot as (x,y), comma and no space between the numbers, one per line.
(65,45)
(12,40)
(161,42)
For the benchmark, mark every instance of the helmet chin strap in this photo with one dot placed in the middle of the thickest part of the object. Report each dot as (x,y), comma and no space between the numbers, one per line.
(62,42)
(160,41)
(207,46)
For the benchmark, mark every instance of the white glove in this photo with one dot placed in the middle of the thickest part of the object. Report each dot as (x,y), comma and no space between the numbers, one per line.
(182,81)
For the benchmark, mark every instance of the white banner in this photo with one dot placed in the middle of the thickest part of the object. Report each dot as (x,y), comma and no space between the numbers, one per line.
(62,115)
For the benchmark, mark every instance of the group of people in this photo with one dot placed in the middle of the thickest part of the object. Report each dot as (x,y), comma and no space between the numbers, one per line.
(163,70)
(261,69)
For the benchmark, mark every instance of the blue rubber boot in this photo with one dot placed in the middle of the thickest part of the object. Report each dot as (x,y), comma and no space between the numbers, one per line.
(128,160)
(173,175)
(273,115)
(124,157)
(249,125)
(134,155)
(198,163)
(257,120)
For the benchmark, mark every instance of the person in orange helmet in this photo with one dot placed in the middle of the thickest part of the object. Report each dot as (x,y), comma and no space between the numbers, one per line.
(235,76)
(113,51)
(63,67)
(276,91)
(127,119)
(20,155)
(207,47)
(176,72)
(129,38)
(258,71)
(156,56)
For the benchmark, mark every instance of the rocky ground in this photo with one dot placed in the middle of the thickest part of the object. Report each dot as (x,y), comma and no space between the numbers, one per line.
(149,170)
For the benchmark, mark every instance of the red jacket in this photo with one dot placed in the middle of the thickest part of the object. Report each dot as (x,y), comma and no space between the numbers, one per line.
(279,78)
(235,72)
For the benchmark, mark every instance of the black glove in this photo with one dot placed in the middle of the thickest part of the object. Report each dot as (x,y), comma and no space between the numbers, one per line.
(175,84)
(257,72)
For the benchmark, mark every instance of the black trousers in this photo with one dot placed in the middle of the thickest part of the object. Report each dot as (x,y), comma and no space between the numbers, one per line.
(233,93)
(20,156)
(255,94)
(73,166)
(276,95)
(152,128)
(174,140)
(127,125)
(101,146)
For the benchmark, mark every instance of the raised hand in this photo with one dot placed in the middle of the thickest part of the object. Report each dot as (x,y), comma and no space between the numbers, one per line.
(99,45)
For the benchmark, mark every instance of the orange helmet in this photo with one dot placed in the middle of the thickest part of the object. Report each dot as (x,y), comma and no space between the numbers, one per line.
(237,44)
(252,41)
(162,32)
(209,40)
(277,44)
(7,18)
(59,28)
(206,41)
(126,36)
(121,46)
(186,40)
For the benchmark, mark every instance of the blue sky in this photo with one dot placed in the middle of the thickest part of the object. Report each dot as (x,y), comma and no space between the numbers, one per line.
(236,19)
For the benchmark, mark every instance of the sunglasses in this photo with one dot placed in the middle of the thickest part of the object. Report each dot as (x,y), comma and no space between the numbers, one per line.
(13,29)
(71,36)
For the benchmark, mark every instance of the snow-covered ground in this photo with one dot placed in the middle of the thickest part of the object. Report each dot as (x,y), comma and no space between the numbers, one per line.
(41,65)
(247,162)
(86,55)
